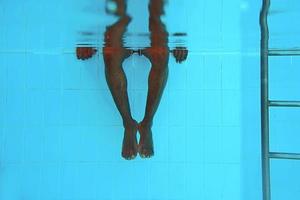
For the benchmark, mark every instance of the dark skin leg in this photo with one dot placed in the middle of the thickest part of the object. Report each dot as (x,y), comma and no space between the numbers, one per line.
(158,54)
(156,84)
(114,54)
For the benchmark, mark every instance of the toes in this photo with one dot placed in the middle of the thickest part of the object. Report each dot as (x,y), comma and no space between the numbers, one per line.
(129,156)
(145,153)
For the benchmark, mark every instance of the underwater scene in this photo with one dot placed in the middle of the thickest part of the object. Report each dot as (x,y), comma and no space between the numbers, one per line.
(149,100)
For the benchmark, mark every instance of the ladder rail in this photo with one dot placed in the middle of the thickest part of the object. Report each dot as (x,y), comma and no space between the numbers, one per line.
(264,51)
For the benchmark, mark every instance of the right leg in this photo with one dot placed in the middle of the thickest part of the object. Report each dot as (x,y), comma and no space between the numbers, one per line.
(117,83)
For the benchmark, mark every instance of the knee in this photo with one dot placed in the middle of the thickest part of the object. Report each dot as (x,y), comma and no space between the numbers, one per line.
(160,69)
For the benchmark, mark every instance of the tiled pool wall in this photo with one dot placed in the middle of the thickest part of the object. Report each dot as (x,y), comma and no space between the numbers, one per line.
(61,133)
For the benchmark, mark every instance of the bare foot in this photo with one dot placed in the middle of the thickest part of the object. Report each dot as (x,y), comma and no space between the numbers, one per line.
(130,147)
(146,142)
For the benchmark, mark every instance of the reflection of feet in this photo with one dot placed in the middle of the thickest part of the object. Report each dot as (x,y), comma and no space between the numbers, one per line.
(180,54)
(146,142)
(84,53)
(129,148)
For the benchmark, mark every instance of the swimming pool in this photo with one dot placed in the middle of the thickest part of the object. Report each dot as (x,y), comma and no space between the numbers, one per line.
(61,133)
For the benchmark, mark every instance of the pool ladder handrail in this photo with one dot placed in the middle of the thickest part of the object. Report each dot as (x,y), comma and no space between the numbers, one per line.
(266,103)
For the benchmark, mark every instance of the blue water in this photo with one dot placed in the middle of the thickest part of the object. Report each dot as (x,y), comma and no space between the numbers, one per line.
(61,134)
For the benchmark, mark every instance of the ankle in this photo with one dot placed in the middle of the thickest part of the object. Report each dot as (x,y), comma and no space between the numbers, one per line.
(129,123)
(146,123)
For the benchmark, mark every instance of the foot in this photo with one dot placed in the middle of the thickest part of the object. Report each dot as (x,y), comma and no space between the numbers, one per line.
(146,142)
(130,148)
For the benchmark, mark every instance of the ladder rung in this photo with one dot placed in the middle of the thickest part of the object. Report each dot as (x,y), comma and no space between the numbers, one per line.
(284,52)
(284,103)
(279,155)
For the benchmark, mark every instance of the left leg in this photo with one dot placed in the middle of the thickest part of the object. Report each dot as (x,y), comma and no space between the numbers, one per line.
(156,83)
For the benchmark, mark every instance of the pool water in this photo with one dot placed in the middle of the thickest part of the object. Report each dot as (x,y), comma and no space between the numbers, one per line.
(61,133)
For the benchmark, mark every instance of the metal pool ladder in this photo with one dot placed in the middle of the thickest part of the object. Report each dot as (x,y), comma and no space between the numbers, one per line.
(266,103)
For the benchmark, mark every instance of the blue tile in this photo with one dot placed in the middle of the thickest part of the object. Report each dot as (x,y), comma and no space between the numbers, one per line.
(284,184)
(194,181)
(3,42)
(15,35)
(177,144)
(138,71)
(213,108)
(52,144)
(195,71)
(97,107)
(160,136)
(71,72)
(231,108)
(35,72)
(53,71)
(52,41)
(33,141)
(250,74)
(138,105)
(70,182)
(34,35)
(71,141)
(195,108)
(18,9)
(2,110)
(31,181)
(13,144)
(50,181)
(15,107)
(176,178)
(104,179)
(11,182)
(53,107)
(162,115)
(140,180)
(231,72)
(212,72)
(93,144)
(3,72)
(87,186)
(35,105)
(1,142)
(177,108)
(15,70)
(195,137)
(232,185)
(212,144)
(177,78)
(109,142)
(214,181)
(93,74)
(120,178)
(158,181)
(137,101)
(70,107)
(230,144)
